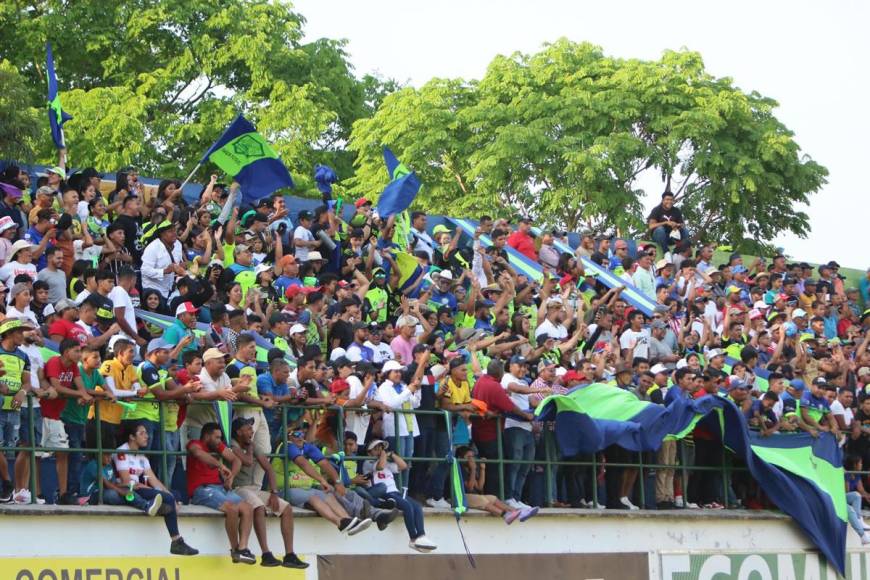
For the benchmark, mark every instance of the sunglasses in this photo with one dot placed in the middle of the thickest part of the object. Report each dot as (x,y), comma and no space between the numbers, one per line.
(297,434)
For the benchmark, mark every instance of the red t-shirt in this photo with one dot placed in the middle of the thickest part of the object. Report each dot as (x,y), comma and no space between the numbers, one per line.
(68,329)
(490,391)
(199,473)
(54,369)
(524,244)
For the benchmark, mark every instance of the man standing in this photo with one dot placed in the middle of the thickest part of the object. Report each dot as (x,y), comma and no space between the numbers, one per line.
(125,313)
(53,275)
(130,220)
(181,331)
(163,260)
(216,386)
(303,239)
(245,365)
(210,482)
(14,385)
(665,222)
(263,503)
(519,441)
(521,240)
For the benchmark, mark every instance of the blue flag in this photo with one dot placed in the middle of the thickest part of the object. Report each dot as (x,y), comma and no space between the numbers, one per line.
(402,189)
(56,115)
(248,157)
(801,474)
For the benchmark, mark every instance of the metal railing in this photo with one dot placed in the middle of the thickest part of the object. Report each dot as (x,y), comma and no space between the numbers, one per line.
(551,462)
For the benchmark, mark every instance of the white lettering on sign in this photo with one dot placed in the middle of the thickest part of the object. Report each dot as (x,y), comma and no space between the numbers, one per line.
(715,565)
(754,564)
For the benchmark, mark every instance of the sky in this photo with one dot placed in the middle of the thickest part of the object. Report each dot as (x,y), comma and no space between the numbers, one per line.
(812,57)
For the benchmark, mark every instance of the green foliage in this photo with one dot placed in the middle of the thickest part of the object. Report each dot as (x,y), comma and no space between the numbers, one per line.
(566,134)
(19,127)
(154,82)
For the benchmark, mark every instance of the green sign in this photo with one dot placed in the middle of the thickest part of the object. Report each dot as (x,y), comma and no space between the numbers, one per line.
(765,566)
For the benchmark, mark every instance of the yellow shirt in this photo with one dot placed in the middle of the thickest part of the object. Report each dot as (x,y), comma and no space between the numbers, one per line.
(459,394)
(124,378)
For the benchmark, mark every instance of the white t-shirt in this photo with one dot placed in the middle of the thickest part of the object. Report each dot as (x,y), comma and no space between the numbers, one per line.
(136,464)
(838,409)
(559,331)
(120,298)
(519,399)
(357,422)
(385,476)
(301,233)
(12,312)
(12,269)
(83,295)
(382,352)
(199,415)
(637,340)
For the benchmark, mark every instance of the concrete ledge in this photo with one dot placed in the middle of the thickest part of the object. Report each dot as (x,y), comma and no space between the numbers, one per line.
(199,511)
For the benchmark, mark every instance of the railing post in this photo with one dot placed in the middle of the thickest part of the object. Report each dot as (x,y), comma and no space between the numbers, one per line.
(32,448)
(595,479)
(283,461)
(548,465)
(99,432)
(684,476)
(500,445)
(642,479)
(164,463)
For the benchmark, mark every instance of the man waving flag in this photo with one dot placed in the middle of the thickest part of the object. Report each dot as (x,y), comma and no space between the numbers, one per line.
(248,157)
(56,116)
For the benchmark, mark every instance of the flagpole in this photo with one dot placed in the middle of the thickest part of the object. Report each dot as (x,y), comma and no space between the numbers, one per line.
(189,177)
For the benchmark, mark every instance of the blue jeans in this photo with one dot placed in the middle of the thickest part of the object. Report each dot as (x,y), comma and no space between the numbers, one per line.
(403,445)
(435,489)
(75,434)
(10,424)
(853,503)
(141,500)
(172,442)
(213,496)
(662,236)
(412,512)
(424,446)
(519,444)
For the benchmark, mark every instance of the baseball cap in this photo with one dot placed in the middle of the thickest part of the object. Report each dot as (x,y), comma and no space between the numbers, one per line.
(658,368)
(314,256)
(820,381)
(361,202)
(658,324)
(297,328)
(186,307)
(518,360)
(799,313)
(57,171)
(392,365)
(278,318)
(446,275)
(305,215)
(714,352)
(240,422)
(63,304)
(440,229)
(338,385)
(797,384)
(157,344)
(212,354)
(736,383)
(573,375)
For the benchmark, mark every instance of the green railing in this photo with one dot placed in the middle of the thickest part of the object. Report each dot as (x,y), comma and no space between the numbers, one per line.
(551,461)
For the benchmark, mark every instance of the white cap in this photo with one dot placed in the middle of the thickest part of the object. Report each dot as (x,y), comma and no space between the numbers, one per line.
(561,371)
(799,313)
(445,275)
(659,368)
(682,363)
(392,365)
(262,268)
(714,352)
(761,305)
(297,328)
(315,255)
(337,353)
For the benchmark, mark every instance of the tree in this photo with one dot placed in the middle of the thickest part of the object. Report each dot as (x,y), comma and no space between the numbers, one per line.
(566,135)
(19,126)
(153,83)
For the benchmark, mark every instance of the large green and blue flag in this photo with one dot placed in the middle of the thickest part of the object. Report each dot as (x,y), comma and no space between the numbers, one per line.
(801,474)
(243,153)
(402,189)
(56,115)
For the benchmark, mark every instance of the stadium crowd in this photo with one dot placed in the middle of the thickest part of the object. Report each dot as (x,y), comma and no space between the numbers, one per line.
(115,278)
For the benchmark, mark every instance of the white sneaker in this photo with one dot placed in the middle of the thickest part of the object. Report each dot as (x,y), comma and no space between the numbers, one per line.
(22,496)
(155,505)
(627,503)
(440,504)
(359,526)
(425,544)
(514,504)
(678,501)
(523,505)
(866,526)
(692,505)
(865,539)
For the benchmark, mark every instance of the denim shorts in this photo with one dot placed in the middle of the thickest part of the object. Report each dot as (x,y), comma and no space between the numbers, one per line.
(298,497)
(214,496)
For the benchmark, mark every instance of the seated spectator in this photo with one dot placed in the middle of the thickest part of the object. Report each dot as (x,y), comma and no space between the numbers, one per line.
(209,483)
(474,474)
(383,468)
(264,503)
(665,223)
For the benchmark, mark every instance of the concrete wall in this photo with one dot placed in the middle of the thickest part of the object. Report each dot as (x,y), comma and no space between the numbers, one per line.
(51,543)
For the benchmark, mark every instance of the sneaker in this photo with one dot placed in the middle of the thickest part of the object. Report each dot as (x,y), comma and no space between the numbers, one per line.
(22,496)
(180,548)
(385,518)
(244,557)
(154,506)
(627,503)
(292,561)
(438,504)
(528,513)
(40,500)
(68,499)
(678,502)
(523,505)
(866,526)
(513,504)
(346,523)
(510,516)
(269,561)
(865,539)
(425,544)
(714,506)
(359,526)
(692,505)
(6,490)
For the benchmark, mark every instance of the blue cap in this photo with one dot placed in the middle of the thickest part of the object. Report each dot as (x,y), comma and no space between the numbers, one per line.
(797,384)
(738,269)
(518,360)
